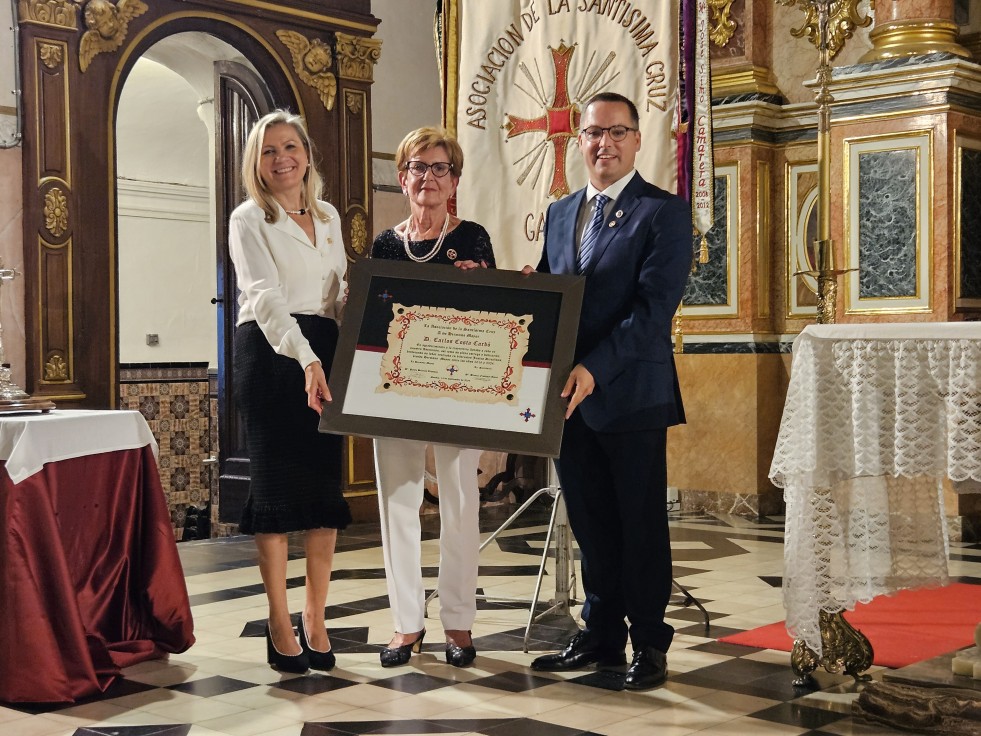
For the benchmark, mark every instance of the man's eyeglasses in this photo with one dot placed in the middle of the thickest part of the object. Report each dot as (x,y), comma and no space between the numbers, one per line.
(439,169)
(617,132)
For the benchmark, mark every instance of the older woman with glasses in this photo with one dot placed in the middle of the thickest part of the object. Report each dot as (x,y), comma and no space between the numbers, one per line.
(429,163)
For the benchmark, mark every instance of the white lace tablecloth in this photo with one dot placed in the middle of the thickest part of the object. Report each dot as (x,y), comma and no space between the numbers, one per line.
(875,417)
(28,441)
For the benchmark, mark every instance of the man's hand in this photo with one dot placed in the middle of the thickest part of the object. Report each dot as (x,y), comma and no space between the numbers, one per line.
(578,386)
(527,270)
(316,386)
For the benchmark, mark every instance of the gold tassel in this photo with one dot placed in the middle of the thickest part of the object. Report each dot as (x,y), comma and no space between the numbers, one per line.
(703,251)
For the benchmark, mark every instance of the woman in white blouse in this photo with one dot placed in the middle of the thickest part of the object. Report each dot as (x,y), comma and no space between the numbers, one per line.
(289,259)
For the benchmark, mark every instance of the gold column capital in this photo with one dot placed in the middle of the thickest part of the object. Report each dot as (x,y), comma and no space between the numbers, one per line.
(357,56)
(58,13)
(913,36)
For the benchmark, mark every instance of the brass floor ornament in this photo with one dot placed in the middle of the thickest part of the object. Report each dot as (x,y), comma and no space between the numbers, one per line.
(844,649)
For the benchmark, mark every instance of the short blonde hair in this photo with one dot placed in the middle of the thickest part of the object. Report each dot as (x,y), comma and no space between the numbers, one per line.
(422,139)
(252,180)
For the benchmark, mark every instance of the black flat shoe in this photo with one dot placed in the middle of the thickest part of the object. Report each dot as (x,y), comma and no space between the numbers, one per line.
(319,660)
(397,656)
(296,663)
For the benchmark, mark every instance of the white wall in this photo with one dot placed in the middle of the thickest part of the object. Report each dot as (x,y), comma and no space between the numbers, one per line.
(405,95)
(167,260)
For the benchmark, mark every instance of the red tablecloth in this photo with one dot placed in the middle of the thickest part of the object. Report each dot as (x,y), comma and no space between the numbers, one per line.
(90,579)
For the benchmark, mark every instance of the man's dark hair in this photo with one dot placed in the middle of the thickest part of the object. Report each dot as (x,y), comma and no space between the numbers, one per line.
(615,97)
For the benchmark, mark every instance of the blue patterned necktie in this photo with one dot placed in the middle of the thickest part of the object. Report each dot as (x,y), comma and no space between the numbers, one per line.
(591,234)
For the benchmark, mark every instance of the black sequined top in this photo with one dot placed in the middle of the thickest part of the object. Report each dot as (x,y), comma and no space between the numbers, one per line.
(468,241)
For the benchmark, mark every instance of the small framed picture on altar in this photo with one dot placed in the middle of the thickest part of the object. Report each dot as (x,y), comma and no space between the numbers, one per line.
(473,358)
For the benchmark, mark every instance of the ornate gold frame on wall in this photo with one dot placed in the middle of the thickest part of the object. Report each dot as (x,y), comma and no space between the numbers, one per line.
(798,210)
(960,143)
(730,310)
(920,141)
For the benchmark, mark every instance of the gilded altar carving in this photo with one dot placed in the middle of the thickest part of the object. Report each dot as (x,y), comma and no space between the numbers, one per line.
(107,26)
(52,55)
(354,102)
(55,212)
(56,369)
(359,233)
(843,19)
(59,13)
(311,61)
(357,56)
(723,25)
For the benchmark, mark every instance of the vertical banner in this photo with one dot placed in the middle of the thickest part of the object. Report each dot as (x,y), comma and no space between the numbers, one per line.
(517,74)
(703,162)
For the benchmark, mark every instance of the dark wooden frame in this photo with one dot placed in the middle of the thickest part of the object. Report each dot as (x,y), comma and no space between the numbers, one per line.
(69,216)
(546,443)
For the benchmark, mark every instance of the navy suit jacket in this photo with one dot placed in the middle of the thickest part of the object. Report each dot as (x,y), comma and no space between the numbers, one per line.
(634,284)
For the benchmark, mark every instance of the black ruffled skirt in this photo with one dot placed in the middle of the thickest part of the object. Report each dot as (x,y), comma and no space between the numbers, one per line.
(295,469)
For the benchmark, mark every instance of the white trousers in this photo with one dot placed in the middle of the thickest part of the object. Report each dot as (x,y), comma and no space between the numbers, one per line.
(400,467)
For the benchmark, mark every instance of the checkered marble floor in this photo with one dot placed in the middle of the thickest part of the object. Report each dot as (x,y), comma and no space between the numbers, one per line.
(222,685)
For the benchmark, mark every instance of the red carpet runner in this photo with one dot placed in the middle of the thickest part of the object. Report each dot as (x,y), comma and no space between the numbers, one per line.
(908,627)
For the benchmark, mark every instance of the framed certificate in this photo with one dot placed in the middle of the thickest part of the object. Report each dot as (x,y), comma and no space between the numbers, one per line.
(472,358)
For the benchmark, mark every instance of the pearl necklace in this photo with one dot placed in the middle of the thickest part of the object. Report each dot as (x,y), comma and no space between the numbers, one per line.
(435,249)
(301,211)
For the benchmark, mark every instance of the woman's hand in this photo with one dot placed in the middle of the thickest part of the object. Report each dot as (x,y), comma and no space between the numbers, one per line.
(467,265)
(316,386)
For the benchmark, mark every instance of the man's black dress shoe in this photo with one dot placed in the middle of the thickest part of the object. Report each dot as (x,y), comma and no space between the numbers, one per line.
(648,669)
(582,650)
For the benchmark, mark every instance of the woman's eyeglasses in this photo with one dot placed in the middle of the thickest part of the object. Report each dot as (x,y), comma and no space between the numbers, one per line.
(439,169)
(594,133)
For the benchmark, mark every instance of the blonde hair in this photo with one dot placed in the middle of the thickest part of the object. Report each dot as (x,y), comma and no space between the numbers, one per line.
(422,139)
(252,180)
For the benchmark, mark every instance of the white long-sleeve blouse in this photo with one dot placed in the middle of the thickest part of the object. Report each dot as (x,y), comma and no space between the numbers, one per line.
(281,273)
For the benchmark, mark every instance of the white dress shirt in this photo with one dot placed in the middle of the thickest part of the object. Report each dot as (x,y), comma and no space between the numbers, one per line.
(613,191)
(280,273)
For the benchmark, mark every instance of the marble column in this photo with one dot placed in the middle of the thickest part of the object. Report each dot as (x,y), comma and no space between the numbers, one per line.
(912,27)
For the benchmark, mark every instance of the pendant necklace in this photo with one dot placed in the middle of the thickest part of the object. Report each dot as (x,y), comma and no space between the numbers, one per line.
(435,249)
(301,211)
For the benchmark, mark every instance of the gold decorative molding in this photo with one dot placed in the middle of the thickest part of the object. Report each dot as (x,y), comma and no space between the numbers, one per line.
(107,26)
(311,60)
(56,369)
(359,233)
(843,19)
(357,56)
(725,26)
(51,55)
(910,37)
(58,13)
(55,212)
(354,102)
(743,80)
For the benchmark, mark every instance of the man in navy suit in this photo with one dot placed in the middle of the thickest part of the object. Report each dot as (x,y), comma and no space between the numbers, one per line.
(623,394)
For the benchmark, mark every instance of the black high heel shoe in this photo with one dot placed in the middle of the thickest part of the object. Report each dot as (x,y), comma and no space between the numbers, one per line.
(460,656)
(397,656)
(296,663)
(318,660)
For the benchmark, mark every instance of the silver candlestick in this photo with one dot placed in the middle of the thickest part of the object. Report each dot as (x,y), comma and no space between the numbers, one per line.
(12,396)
